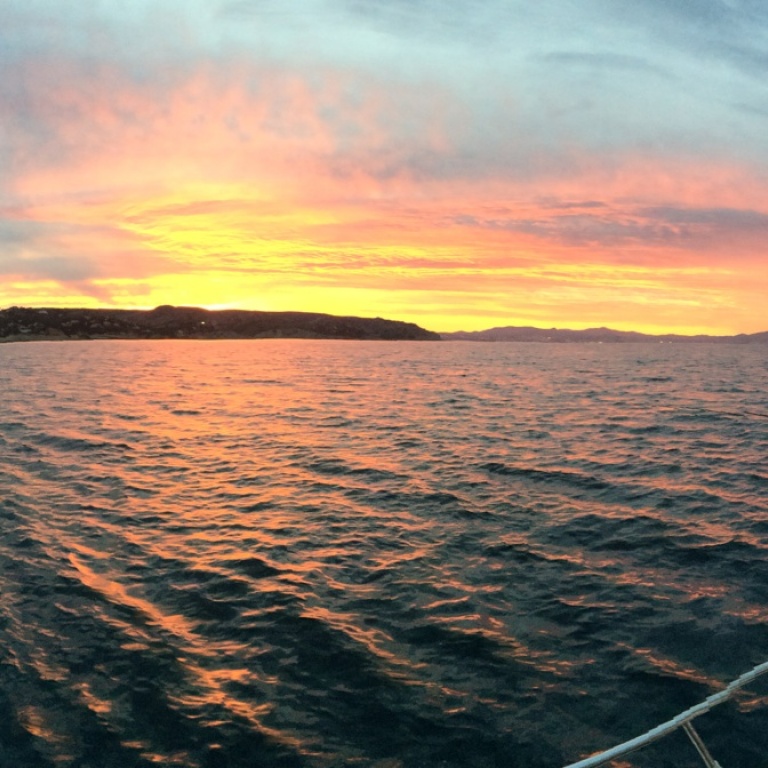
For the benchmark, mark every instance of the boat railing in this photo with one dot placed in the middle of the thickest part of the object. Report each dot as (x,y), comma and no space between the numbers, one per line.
(684,720)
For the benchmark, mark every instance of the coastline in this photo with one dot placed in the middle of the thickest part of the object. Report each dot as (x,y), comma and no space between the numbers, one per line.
(22,324)
(166,322)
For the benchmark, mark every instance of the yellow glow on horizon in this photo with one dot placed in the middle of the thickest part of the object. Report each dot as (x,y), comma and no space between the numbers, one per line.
(449,312)
(234,246)
(46,293)
(225,194)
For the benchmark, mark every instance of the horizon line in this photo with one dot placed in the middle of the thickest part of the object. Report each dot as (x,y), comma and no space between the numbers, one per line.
(554,329)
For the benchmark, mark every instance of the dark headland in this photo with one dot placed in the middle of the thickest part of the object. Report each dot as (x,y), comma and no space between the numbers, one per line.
(166,322)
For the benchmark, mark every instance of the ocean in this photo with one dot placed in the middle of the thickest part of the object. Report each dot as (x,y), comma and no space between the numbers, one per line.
(305,554)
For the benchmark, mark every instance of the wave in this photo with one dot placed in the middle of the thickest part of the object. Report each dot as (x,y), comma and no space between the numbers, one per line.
(249,560)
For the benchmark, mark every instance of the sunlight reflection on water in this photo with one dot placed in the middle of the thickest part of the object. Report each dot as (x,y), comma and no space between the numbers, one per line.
(378,554)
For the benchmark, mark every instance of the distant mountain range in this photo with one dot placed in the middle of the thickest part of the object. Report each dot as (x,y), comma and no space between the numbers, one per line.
(595,335)
(166,322)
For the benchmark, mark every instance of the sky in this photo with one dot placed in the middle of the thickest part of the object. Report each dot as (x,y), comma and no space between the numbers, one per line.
(461,165)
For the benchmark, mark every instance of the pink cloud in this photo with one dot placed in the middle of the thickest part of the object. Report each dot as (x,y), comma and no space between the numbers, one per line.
(319,182)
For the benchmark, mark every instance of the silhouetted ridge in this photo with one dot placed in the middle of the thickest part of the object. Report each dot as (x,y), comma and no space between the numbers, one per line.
(598,335)
(167,322)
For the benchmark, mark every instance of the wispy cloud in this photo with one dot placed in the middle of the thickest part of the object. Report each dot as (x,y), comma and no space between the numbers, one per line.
(503,159)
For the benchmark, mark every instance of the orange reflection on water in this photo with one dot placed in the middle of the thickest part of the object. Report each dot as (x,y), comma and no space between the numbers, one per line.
(146,753)
(46,668)
(747,702)
(57,746)
(374,641)
(33,720)
(672,668)
(117,594)
(750,613)
(656,580)
(209,682)
(96,704)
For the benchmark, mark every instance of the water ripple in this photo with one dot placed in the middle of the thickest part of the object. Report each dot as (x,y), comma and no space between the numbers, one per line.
(314,554)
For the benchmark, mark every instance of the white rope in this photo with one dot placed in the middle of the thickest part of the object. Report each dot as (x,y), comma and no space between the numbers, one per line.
(672,725)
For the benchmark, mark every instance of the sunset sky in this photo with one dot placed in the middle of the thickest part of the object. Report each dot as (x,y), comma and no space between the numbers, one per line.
(461,165)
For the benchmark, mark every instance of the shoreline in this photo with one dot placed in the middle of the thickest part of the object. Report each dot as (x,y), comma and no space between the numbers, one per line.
(167,322)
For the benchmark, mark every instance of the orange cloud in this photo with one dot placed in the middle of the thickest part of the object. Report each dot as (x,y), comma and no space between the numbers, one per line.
(263,189)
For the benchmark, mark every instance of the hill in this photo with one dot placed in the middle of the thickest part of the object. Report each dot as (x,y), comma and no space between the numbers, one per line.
(166,322)
(595,335)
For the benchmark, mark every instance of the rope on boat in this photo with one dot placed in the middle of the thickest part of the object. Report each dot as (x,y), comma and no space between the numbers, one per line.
(683,720)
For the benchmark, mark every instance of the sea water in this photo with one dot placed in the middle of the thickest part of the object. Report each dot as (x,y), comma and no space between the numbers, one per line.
(334,553)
